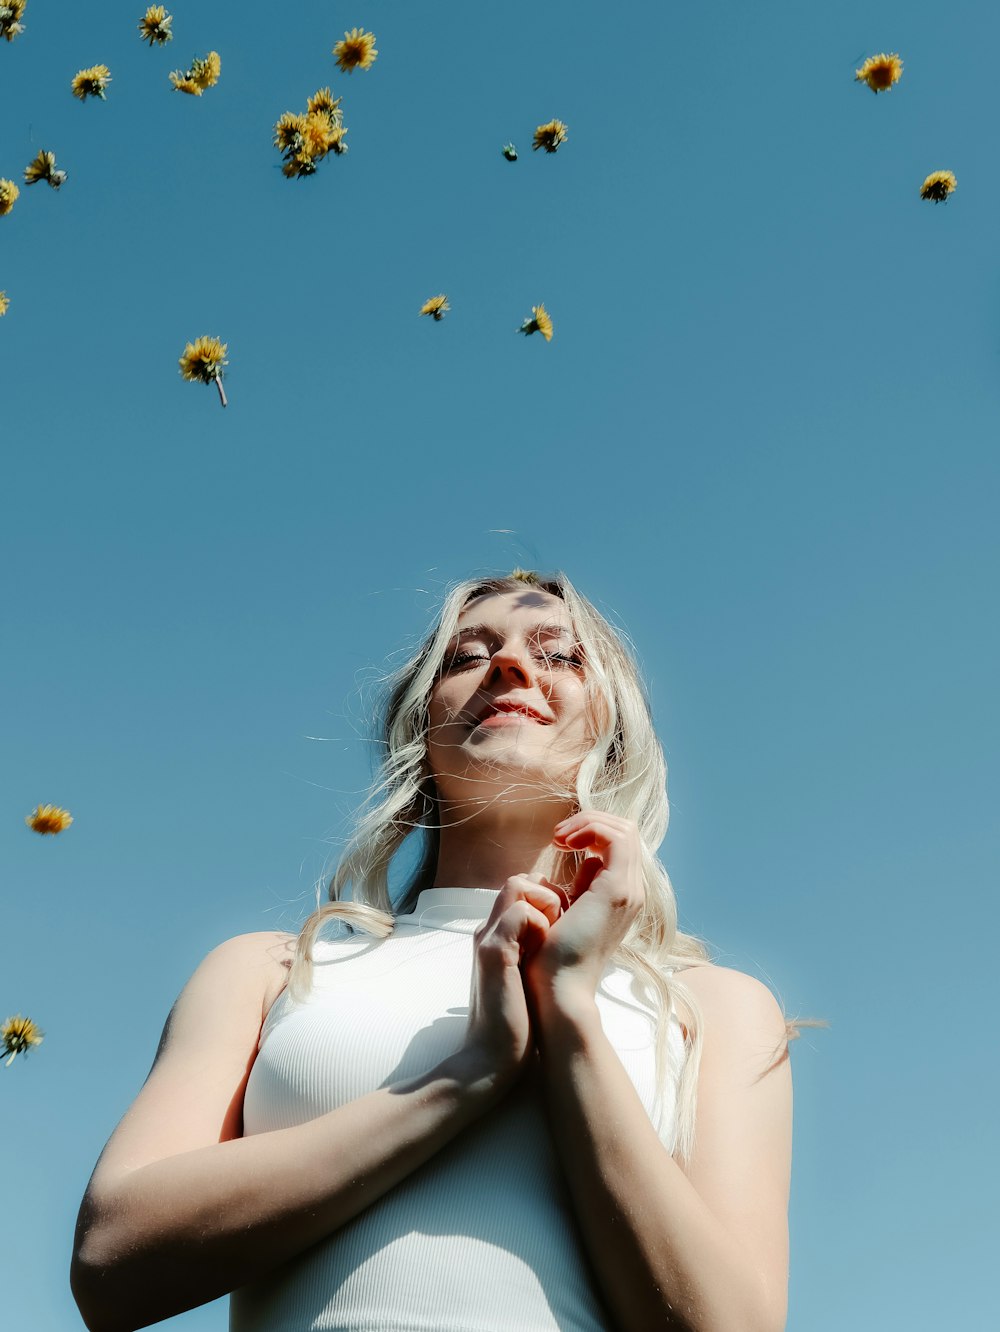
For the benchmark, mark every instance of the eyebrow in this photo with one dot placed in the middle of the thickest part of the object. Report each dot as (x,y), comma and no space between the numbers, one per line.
(544,629)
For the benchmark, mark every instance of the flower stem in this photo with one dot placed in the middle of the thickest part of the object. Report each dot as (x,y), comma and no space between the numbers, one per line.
(222,391)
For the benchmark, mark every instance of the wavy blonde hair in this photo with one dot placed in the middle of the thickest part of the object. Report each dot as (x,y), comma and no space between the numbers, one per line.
(624,773)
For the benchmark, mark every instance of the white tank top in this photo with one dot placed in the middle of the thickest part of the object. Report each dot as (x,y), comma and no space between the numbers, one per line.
(482,1238)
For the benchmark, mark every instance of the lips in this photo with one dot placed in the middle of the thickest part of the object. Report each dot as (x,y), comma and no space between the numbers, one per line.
(505,707)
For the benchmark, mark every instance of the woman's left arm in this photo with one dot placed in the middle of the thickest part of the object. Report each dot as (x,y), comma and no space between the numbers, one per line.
(703,1247)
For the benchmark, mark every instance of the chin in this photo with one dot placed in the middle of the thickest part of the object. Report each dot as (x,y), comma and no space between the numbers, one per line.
(508,780)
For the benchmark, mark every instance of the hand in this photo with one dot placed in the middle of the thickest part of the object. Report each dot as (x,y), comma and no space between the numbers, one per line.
(499,1030)
(606,897)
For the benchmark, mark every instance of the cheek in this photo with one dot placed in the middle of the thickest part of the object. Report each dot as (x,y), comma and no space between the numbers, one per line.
(442,707)
(436,714)
(581,712)
(573,699)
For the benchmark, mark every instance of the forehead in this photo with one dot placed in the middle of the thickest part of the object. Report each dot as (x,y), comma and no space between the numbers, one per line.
(531,609)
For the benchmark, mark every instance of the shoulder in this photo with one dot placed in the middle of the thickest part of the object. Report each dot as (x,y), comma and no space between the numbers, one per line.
(258,961)
(260,948)
(244,974)
(217,1017)
(740,1014)
(725,987)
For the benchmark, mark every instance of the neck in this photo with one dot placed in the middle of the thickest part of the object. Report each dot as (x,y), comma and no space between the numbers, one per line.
(484,846)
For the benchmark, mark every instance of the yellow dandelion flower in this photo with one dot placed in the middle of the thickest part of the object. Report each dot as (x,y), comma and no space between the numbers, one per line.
(203,360)
(319,136)
(880,72)
(437,307)
(207,71)
(9,194)
(288,132)
(49,819)
(91,82)
(938,185)
(356,51)
(154,26)
(324,103)
(10,12)
(306,139)
(43,167)
(550,136)
(17,1035)
(525,576)
(204,73)
(540,322)
(4,303)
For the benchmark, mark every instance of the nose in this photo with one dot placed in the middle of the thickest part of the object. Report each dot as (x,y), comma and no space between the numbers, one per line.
(511,662)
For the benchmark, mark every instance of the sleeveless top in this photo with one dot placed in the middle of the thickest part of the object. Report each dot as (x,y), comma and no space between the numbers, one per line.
(482,1237)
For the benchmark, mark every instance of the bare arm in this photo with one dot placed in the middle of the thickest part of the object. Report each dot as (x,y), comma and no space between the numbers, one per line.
(702,1248)
(181,1209)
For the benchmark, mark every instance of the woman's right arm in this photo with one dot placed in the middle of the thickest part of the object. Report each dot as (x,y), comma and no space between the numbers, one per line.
(181,1209)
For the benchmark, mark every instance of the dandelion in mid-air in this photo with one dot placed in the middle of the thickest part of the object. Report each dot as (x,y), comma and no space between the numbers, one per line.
(550,136)
(321,136)
(324,106)
(324,103)
(204,73)
(938,185)
(203,360)
(43,167)
(288,132)
(49,819)
(356,51)
(17,1036)
(4,303)
(437,307)
(510,152)
(11,11)
(91,82)
(880,72)
(154,26)
(540,322)
(304,140)
(9,195)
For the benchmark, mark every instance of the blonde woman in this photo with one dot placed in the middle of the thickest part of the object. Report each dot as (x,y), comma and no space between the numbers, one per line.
(519,1099)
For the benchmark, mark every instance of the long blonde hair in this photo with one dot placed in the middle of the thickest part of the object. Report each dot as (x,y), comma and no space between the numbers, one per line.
(624,773)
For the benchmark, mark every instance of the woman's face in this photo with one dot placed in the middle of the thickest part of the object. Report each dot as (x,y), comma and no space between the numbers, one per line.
(508,711)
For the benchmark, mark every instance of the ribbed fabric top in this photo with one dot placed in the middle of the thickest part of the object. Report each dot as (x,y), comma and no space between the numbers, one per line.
(482,1238)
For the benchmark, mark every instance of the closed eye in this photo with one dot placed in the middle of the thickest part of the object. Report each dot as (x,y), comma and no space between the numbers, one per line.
(463,659)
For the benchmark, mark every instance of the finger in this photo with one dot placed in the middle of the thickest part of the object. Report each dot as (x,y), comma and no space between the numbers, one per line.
(591,837)
(602,834)
(522,926)
(585,876)
(556,888)
(526,888)
(561,893)
(593,817)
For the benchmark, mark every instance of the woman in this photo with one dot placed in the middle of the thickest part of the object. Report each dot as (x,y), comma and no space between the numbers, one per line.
(527,1102)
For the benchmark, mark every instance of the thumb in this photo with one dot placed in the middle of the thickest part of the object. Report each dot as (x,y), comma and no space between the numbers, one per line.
(585,876)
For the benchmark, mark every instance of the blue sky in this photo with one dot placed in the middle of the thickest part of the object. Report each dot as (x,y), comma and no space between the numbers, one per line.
(763,440)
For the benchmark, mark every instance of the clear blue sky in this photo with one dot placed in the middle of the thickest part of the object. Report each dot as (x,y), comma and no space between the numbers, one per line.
(764,439)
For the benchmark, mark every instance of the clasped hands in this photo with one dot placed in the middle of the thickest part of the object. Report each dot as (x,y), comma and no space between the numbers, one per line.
(543,949)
